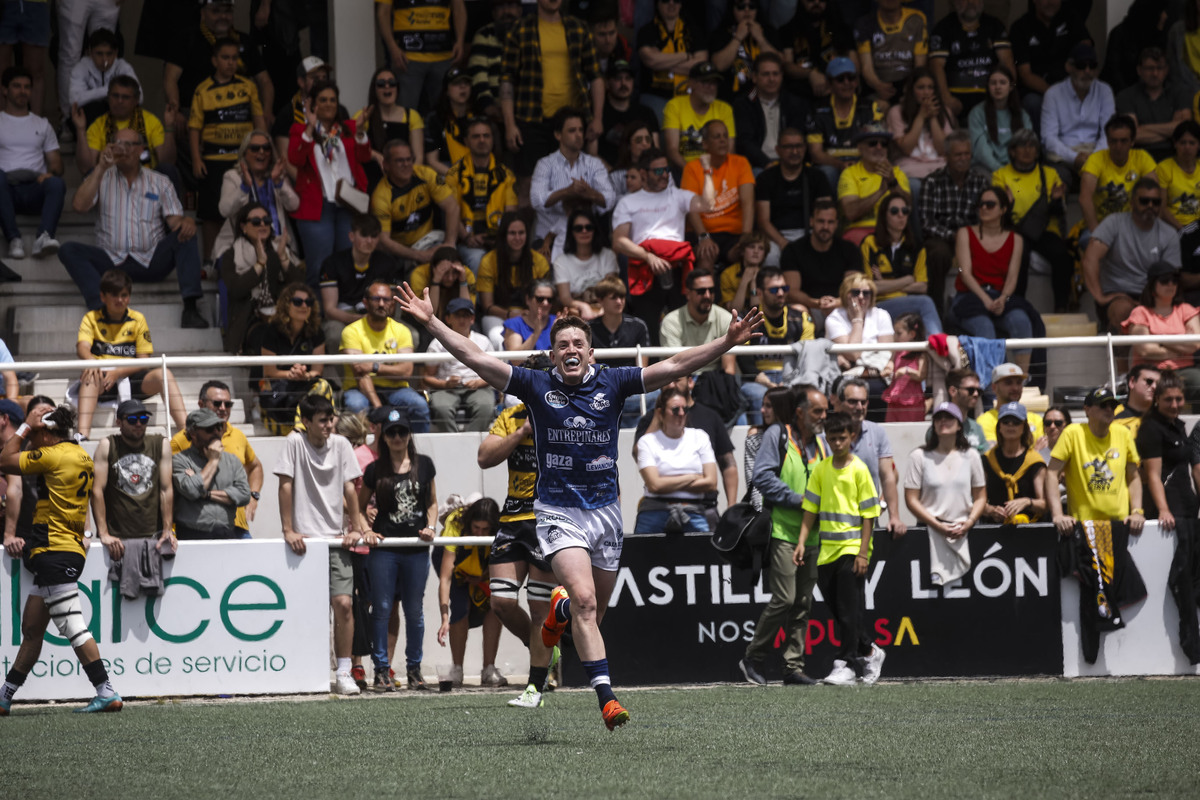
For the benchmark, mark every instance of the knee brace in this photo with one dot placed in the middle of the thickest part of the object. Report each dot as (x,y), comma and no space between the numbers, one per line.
(539,592)
(62,602)
(504,589)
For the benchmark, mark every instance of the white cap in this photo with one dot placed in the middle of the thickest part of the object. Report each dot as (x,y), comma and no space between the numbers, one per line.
(312,63)
(1007,370)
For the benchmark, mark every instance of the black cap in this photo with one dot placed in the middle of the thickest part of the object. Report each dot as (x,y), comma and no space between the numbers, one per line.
(130,407)
(705,71)
(1160,268)
(1083,52)
(617,66)
(1100,396)
(460,304)
(379,414)
(455,74)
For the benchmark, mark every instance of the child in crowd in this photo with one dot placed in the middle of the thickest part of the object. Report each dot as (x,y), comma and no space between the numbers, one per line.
(842,495)
(905,395)
(738,289)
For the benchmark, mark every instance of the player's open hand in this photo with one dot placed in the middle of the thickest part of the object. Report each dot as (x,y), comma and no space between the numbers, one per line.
(742,328)
(418,307)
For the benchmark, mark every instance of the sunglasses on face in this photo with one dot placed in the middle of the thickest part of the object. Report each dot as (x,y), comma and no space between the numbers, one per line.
(386,83)
(988,204)
(899,211)
(138,419)
(970,389)
(1150,201)
(397,432)
(1087,65)
(875,144)
(258,148)
(659,171)
(586,228)
(1054,423)
(678,411)
(543,300)
(304,301)
(262,222)
(860,293)
(1171,279)
(1011,421)
(779,289)
(848,78)
(704,290)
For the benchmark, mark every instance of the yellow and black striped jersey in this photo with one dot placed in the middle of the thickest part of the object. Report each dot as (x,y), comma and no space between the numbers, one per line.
(482,196)
(125,338)
(224,113)
(64,485)
(406,212)
(522,465)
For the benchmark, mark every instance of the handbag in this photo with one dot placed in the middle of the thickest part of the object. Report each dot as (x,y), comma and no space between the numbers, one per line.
(352,197)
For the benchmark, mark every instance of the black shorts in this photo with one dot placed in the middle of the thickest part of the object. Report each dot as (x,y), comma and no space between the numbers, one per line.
(516,542)
(53,567)
(135,388)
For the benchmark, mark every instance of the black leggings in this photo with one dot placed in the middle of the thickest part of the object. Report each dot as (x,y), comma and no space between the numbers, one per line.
(845,594)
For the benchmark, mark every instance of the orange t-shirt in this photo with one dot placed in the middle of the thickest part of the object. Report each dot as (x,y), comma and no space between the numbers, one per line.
(726,216)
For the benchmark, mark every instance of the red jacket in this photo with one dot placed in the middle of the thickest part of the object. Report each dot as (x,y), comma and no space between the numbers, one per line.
(303,155)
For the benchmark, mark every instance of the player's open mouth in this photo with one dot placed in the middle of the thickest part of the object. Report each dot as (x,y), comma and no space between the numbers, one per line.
(571,361)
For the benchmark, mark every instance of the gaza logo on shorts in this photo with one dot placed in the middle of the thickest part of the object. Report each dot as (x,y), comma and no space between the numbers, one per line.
(600,402)
(579,423)
(556,399)
(600,463)
(556,461)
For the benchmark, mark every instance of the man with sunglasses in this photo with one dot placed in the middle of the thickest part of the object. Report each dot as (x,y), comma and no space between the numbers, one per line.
(1156,104)
(863,185)
(832,126)
(210,483)
(963,389)
(133,495)
(1116,264)
(1074,112)
(782,324)
(1142,380)
(699,321)
(216,397)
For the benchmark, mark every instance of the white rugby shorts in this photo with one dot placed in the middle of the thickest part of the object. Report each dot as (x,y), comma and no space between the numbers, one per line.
(597,530)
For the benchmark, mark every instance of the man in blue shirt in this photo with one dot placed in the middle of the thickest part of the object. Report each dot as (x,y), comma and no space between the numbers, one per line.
(575,412)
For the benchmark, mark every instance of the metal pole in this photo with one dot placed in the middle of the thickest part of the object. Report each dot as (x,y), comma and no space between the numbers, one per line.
(1112,363)
(166,393)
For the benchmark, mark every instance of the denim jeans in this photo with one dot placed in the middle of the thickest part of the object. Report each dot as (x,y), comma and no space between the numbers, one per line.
(1014,322)
(656,522)
(45,198)
(323,237)
(397,573)
(914,303)
(754,392)
(85,264)
(410,400)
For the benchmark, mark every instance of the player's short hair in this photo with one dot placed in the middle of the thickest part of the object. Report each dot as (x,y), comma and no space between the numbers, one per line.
(838,422)
(313,405)
(366,225)
(115,281)
(570,321)
(609,285)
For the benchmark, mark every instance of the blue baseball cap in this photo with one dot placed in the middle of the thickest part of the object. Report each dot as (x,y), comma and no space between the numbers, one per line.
(840,66)
(11,410)
(1015,410)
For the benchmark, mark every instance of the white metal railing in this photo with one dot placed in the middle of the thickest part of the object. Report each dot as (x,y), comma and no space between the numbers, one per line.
(1108,341)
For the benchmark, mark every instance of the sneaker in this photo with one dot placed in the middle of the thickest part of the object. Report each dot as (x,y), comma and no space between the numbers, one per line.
(873,664)
(840,675)
(111,703)
(382,684)
(16,247)
(552,629)
(753,671)
(530,698)
(44,246)
(6,706)
(797,678)
(614,715)
(346,684)
(415,681)
(491,676)
(192,318)
(360,676)
(554,671)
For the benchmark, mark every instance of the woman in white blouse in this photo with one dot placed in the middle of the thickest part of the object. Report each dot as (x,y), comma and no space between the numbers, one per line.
(859,321)
(679,468)
(584,262)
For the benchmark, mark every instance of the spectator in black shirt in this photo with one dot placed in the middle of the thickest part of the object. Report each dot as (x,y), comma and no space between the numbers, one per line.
(737,44)
(1042,40)
(785,194)
(615,328)
(1169,462)
(620,110)
(1156,104)
(1145,25)
(964,48)
(815,36)
(815,265)
(762,114)
(346,274)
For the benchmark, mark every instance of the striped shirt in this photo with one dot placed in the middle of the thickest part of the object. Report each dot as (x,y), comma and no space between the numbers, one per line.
(133,216)
(554,172)
(521,65)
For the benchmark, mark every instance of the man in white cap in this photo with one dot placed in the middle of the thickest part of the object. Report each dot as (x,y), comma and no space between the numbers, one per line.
(1008,382)
(311,70)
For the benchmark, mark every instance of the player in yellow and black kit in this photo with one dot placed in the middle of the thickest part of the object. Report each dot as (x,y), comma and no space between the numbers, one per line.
(422,39)
(55,551)
(404,203)
(515,552)
(225,108)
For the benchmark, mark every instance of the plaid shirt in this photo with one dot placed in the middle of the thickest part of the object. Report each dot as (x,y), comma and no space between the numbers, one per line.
(945,207)
(521,65)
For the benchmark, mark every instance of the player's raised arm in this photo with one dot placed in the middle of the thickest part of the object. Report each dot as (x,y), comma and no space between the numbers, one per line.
(491,369)
(659,375)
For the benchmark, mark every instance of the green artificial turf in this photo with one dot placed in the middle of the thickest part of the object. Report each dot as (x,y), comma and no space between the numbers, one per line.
(1114,738)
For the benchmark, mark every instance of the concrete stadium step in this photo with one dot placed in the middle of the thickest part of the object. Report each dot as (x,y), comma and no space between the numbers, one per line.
(59,344)
(160,316)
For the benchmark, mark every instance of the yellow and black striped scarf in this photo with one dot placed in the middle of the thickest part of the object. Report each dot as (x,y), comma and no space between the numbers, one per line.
(138,124)
(1032,459)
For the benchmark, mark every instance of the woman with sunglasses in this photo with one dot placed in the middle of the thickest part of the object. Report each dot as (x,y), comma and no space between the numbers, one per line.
(293,330)
(384,120)
(261,177)
(1179,177)
(253,270)
(584,262)
(993,122)
(989,260)
(1162,312)
(530,330)
(1016,493)
(505,272)
(678,467)
(1054,421)
(858,321)
(1168,459)
(402,483)
(896,262)
(446,128)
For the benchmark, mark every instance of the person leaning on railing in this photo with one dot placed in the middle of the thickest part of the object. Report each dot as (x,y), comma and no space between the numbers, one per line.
(1013,469)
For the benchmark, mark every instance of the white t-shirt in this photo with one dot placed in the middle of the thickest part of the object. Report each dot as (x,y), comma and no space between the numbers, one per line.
(317,477)
(580,275)
(448,369)
(654,215)
(24,142)
(686,455)
(945,481)
(876,323)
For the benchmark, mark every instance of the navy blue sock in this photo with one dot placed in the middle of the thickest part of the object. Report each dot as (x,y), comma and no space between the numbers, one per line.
(562,609)
(598,675)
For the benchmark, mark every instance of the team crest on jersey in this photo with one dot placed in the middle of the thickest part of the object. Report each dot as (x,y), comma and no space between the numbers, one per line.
(556,399)
(579,423)
(600,402)
(600,464)
(34,455)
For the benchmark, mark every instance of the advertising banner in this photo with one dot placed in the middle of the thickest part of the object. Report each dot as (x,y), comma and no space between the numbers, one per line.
(679,614)
(244,617)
